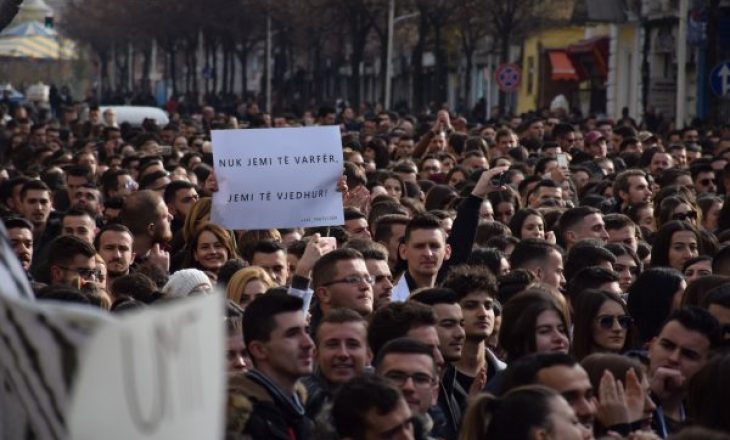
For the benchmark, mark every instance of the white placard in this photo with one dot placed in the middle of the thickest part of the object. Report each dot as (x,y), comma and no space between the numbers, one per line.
(157,374)
(277,178)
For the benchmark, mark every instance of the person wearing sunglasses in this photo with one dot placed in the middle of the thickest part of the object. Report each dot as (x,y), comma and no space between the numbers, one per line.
(71,262)
(602,324)
(676,208)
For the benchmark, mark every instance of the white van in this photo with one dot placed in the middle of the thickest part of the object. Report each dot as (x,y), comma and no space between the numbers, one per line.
(135,115)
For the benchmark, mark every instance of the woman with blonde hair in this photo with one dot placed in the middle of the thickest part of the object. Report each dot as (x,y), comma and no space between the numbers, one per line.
(247,283)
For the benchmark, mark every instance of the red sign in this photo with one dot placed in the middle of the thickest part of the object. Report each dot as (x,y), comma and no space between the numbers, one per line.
(508,77)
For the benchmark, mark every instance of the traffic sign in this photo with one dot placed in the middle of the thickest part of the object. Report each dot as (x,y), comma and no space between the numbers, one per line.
(720,79)
(508,77)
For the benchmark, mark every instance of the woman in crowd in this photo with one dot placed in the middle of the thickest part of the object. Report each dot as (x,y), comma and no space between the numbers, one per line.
(627,265)
(525,413)
(248,283)
(651,297)
(675,243)
(211,246)
(602,324)
(527,223)
(505,203)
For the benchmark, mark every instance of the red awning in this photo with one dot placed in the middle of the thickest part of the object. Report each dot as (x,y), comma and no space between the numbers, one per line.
(562,67)
(590,57)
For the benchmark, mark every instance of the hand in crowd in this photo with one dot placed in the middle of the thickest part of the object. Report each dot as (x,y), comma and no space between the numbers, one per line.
(160,257)
(317,246)
(484,185)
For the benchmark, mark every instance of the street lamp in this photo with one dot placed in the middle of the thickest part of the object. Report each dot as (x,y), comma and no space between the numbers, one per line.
(392,20)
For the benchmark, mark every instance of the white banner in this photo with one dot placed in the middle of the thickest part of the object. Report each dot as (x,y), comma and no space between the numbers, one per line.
(277,178)
(155,374)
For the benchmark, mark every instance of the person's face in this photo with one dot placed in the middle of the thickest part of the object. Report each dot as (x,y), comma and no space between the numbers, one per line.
(722,314)
(565,422)
(274,263)
(592,226)
(609,332)
(698,270)
(478,311)
(599,148)
(705,182)
(660,162)
(341,292)
(537,130)
(90,161)
(414,375)
(550,333)
(646,218)
(475,163)
(21,240)
(253,288)
(425,251)
(575,386)
(456,178)
(506,143)
(551,272)
(430,167)
(184,200)
(115,249)
(87,198)
(397,231)
(73,183)
(342,351)
(710,220)
(682,247)
(405,148)
(679,157)
(450,329)
(81,226)
(627,270)
(428,335)
(210,252)
(438,142)
(237,359)
(288,353)
(546,193)
(685,212)
(80,271)
(36,206)
(383,286)
(486,212)
(505,212)
(358,228)
(395,425)
(393,188)
(678,348)
(625,235)
(162,233)
(691,136)
(533,227)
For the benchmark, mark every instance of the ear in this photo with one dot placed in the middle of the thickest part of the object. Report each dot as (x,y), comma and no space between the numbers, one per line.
(569,237)
(623,195)
(257,350)
(540,434)
(323,295)
(150,229)
(56,274)
(447,252)
(402,251)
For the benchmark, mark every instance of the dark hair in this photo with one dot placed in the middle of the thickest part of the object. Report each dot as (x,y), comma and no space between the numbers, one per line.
(325,268)
(465,279)
(514,416)
(33,185)
(63,249)
(402,345)
(708,395)
(340,316)
(721,261)
(394,320)
(586,253)
(356,399)
(435,295)
(591,277)
(530,249)
(263,247)
(229,268)
(519,219)
(140,209)
(173,187)
(421,221)
(571,218)
(513,282)
(491,258)
(259,318)
(135,285)
(488,230)
(225,237)
(519,319)
(586,309)
(18,223)
(113,227)
(524,370)
(663,241)
(650,299)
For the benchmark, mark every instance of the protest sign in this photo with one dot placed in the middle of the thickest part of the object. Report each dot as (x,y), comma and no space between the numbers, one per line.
(277,178)
(157,374)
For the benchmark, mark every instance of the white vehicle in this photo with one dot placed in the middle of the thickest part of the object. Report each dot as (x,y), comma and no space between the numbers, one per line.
(135,115)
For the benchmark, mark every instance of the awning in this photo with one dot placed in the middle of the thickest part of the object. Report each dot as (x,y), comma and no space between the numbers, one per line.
(37,46)
(28,28)
(562,67)
(590,57)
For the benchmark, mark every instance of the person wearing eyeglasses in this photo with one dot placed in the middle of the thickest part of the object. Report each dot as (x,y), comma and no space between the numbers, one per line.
(703,177)
(71,262)
(408,365)
(602,324)
(341,279)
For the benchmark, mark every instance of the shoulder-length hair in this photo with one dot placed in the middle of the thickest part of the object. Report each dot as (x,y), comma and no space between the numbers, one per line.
(586,309)
(225,236)
(239,281)
(519,219)
(663,241)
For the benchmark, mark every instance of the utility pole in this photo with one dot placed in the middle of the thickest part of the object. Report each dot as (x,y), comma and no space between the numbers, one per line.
(389,57)
(681,103)
(267,67)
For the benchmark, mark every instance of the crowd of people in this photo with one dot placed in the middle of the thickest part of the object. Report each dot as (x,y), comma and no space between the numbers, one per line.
(531,277)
